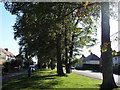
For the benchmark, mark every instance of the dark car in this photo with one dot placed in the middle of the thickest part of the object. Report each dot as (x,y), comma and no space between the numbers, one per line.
(78,67)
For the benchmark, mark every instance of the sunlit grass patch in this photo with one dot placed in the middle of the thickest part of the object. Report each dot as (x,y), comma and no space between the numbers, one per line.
(48,79)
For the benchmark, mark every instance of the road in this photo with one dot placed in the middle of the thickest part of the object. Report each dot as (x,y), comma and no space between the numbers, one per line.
(96,75)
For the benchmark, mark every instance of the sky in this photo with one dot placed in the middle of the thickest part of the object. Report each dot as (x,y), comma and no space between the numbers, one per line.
(114,44)
(7,36)
(6,31)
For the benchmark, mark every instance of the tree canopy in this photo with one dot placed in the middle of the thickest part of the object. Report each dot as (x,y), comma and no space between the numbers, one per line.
(40,26)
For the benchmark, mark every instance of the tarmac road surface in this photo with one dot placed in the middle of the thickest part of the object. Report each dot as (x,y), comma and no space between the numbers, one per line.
(96,75)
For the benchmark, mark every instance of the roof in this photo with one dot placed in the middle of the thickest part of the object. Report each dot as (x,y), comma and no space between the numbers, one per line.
(6,52)
(92,57)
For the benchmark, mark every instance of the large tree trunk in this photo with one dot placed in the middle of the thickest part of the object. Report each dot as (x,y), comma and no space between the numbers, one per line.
(71,51)
(39,62)
(106,51)
(59,61)
(67,67)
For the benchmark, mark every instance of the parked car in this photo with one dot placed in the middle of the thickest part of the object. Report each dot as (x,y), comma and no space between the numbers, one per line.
(72,67)
(33,68)
(78,67)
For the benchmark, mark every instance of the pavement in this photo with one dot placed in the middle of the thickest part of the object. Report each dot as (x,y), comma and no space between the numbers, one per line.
(96,75)
(11,75)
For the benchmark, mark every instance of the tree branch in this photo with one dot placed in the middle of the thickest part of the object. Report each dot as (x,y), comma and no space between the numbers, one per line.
(91,4)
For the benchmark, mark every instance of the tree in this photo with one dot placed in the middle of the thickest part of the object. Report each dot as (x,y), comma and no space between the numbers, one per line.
(39,27)
(106,51)
(40,30)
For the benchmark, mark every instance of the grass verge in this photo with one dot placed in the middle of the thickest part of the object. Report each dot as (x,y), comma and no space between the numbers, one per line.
(47,79)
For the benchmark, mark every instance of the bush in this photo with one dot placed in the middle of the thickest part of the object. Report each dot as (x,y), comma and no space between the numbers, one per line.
(7,66)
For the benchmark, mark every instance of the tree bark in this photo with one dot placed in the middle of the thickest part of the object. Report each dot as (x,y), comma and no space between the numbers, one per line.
(71,51)
(59,61)
(39,62)
(66,53)
(106,51)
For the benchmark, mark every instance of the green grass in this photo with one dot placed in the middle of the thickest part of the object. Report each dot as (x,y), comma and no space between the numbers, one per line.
(46,79)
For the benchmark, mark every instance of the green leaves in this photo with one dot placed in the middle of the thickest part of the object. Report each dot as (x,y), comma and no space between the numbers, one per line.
(114,52)
(104,48)
(38,24)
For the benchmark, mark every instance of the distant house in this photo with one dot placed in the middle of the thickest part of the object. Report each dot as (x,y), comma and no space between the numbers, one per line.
(5,55)
(91,61)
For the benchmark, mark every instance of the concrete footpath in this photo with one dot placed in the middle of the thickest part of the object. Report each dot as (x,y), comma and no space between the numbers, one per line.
(11,75)
(96,75)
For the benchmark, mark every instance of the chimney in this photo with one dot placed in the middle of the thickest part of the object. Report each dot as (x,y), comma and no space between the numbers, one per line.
(6,49)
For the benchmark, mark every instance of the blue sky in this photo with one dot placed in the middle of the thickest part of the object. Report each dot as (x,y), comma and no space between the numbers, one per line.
(6,31)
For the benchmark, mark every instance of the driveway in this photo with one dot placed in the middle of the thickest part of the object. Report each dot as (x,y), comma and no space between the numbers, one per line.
(96,75)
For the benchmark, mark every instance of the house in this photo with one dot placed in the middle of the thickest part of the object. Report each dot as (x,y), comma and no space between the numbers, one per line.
(116,63)
(116,59)
(91,62)
(5,55)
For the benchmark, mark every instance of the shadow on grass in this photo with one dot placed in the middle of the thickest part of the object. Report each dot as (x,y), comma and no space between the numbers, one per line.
(35,82)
